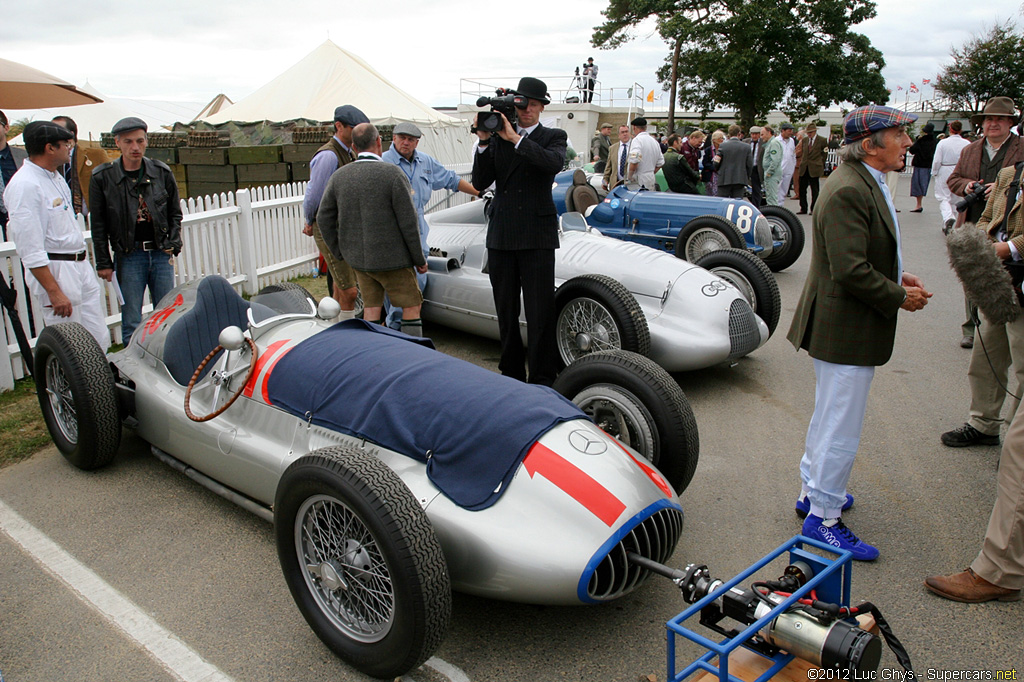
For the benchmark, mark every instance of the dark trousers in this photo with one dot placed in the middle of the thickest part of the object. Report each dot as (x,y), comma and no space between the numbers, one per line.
(755,187)
(531,271)
(588,91)
(808,184)
(732,191)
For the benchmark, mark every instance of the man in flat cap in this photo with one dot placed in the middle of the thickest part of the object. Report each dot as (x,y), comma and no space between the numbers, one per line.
(846,316)
(136,214)
(366,216)
(49,241)
(425,174)
(329,158)
(522,232)
(599,147)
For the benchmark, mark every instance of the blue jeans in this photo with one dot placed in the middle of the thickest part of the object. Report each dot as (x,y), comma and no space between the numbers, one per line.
(136,271)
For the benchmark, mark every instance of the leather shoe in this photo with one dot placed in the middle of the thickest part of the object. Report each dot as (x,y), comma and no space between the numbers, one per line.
(967,342)
(969,587)
(801,212)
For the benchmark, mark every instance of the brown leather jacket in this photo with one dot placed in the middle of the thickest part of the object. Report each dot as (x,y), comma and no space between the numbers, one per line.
(968,168)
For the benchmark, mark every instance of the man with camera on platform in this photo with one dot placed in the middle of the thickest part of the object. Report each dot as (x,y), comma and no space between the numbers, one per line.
(522,159)
(589,79)
(973,178)
(329,158)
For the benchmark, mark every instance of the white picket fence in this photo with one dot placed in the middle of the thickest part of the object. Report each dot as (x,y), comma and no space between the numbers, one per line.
(251,237)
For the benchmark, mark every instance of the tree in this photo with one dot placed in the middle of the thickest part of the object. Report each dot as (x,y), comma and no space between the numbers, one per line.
(755,55)
(986,66)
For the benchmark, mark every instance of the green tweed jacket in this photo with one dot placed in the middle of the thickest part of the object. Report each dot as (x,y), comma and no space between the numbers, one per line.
(847,311)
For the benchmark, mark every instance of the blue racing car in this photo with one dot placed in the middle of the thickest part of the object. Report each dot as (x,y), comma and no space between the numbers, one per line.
(691,226)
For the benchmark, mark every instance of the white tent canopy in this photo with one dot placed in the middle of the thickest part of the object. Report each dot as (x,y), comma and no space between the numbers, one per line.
(328,77)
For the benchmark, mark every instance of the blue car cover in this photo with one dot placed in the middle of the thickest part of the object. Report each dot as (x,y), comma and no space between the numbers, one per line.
(471,426)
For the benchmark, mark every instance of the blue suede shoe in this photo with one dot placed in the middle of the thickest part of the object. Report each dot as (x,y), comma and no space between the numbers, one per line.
(803,505)
(840,537)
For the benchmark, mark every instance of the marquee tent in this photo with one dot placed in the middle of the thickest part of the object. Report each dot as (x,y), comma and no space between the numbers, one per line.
(330,76)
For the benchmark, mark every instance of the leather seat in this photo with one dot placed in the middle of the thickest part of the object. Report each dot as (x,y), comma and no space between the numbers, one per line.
(582,194)
(193,336)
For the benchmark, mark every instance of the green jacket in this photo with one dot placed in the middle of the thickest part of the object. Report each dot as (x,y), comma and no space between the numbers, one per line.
(847,311)
(679,176)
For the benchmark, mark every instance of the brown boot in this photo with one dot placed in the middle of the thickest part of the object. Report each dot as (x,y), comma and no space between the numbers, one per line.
(969,587)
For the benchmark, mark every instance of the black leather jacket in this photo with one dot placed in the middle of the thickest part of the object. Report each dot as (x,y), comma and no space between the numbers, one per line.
(112,210)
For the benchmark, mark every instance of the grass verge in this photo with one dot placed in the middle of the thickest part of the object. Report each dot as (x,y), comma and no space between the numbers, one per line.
(22,429)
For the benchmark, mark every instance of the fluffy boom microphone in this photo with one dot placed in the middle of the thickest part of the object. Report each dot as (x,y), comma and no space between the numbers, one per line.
(986,282)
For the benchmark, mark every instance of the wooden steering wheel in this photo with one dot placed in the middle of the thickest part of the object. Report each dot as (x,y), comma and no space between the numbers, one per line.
(216,392)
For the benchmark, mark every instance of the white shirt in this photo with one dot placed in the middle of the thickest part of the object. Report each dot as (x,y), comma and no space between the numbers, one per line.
(645,151)
(41,216)
(947,153)
(788,154)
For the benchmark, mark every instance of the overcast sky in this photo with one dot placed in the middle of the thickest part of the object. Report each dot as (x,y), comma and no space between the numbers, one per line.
(195,49)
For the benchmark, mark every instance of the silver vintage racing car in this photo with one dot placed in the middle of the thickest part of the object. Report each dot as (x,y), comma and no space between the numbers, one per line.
(392,473)
(611,294)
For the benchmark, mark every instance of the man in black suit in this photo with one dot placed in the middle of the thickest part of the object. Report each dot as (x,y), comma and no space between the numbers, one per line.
(522,232)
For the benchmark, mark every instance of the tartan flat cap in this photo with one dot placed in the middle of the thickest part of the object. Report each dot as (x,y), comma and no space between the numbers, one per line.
(864,121)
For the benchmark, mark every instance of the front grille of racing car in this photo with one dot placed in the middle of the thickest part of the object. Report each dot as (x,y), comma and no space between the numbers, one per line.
(653,538)
(743,334)
(763,236)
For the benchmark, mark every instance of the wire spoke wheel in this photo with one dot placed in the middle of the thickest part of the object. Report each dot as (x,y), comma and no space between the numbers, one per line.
(345,569)
(585,326)
(622,416)
(62,400)
(703,242)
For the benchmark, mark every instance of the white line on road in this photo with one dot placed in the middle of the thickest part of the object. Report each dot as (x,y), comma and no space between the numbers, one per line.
(453,673)
(169,651)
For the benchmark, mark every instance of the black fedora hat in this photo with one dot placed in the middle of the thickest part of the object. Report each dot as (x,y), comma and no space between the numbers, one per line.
(534,88)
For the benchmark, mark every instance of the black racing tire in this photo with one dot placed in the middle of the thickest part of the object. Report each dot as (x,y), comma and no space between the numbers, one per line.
(788,229)
(596,312)
(751,276)
(636,401)
(372,581)
(77,395)
(707,233)
(300,291)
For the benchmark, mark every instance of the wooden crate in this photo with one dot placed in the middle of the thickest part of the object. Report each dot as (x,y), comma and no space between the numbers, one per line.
(300,171)
(262,173)
(312,134)
(165,154)
(217,156)
(265,153)
(298,153)
(200,173)
(201,189)
(179,173)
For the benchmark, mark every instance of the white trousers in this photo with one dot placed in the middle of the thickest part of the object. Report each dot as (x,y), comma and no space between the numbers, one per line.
(943,195)
(80,284)
(833,436)
(787,179)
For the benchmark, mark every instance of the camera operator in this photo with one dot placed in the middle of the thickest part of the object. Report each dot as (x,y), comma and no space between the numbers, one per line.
(979,163)
(589,79)
(522,231)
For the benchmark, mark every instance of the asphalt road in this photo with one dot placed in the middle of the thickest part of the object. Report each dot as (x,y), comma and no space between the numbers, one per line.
(203,574)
